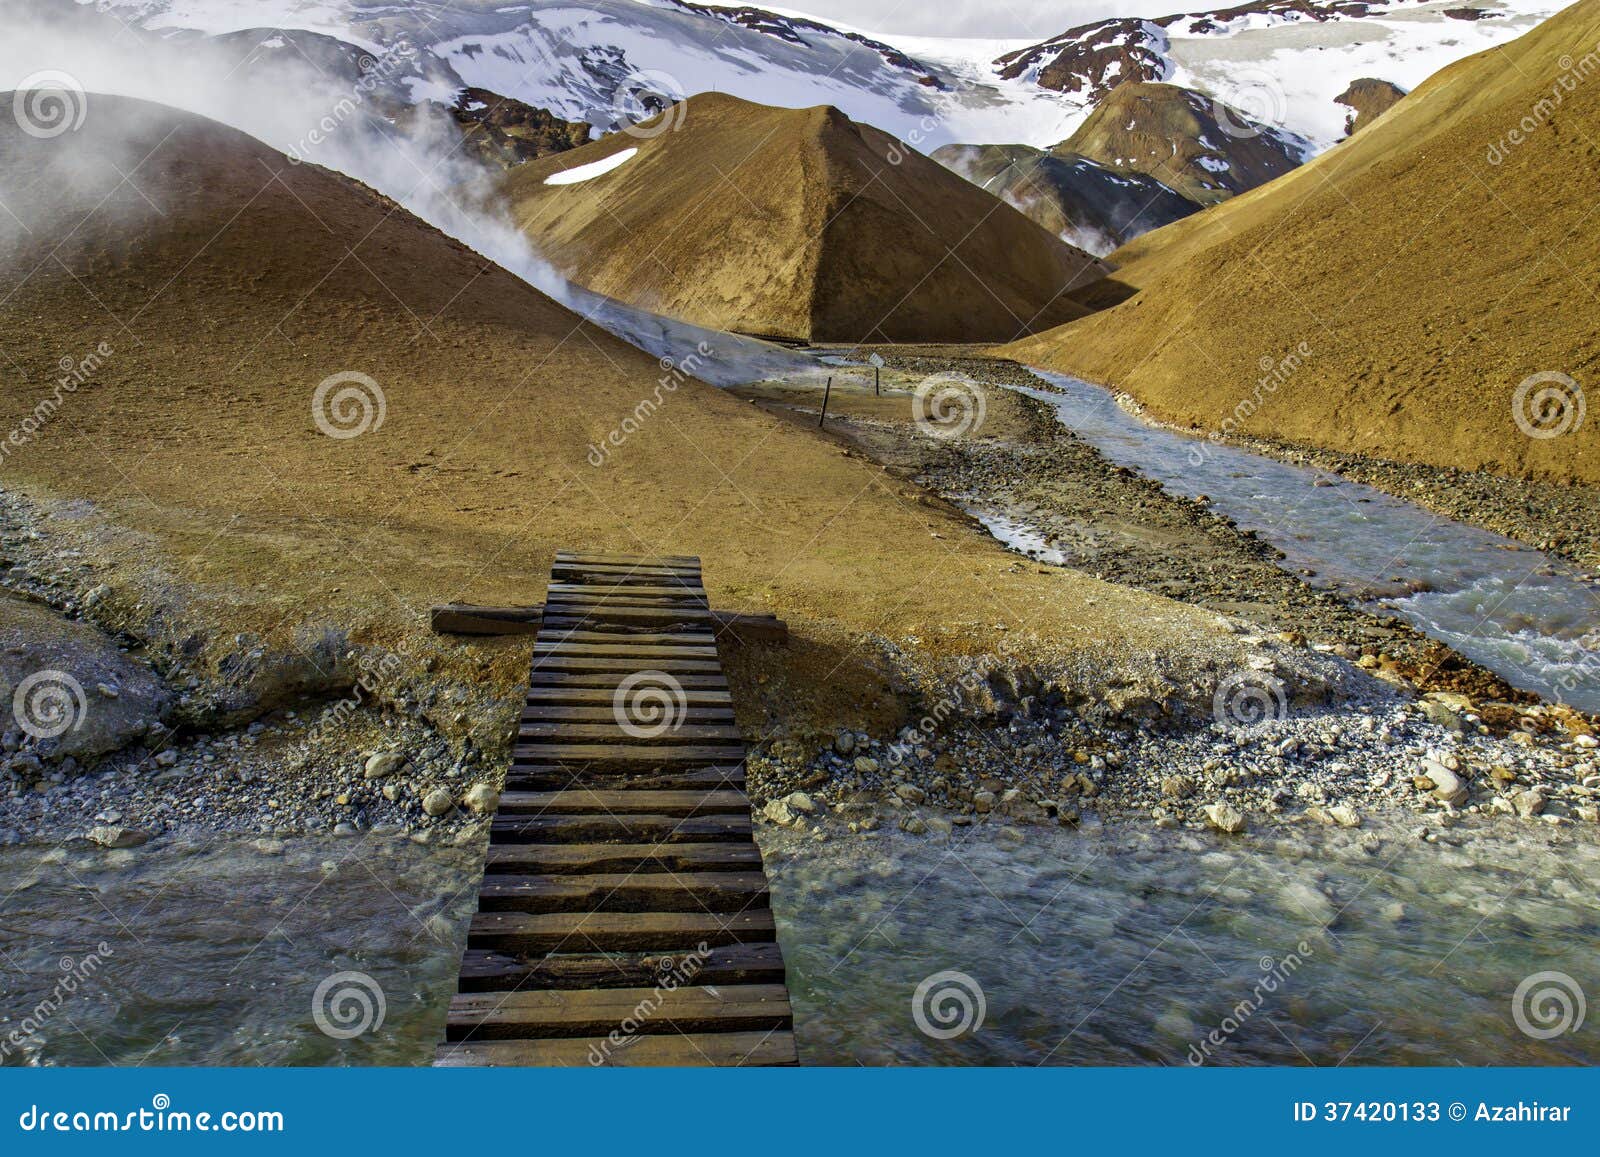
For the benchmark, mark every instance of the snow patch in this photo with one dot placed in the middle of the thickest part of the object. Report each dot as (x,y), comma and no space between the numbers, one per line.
(590,171)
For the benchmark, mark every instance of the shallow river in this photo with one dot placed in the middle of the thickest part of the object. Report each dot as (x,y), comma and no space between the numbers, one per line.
(1082,948)
(1518,612)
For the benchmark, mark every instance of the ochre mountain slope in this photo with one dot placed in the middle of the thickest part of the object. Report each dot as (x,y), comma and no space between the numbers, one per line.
(796,223)
(1431,265)
(203,287)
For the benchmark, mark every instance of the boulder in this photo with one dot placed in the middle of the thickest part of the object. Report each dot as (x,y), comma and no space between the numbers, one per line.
(72,693)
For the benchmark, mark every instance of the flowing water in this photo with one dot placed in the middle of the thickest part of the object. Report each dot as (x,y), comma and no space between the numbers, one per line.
(1132,947)
(1522,614)
(212,952)
(1105,946)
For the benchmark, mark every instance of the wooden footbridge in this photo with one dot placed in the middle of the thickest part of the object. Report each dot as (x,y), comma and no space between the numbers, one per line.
(623,916)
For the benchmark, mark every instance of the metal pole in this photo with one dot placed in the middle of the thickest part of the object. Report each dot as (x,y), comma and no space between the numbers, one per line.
(875,370)
(828,389)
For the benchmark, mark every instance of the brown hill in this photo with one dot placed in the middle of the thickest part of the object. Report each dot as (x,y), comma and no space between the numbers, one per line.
(1184,139)
(796,223)
(1367,99)
(174,294)
(1431,265)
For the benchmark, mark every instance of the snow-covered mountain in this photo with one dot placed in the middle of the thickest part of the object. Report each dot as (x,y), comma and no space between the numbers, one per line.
(1282,62)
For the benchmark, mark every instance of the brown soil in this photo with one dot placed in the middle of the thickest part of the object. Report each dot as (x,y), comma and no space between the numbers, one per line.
(227,284)
(796,223)
(1426,281)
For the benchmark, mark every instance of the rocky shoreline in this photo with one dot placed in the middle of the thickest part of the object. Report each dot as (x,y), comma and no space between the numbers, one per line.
(113,739)
(1374,717)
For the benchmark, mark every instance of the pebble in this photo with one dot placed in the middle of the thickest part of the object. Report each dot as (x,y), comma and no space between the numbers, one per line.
(108,836)
(1529,803)
(437,802)
(1224,817)
(1447,785)
(481,799)
(383,763)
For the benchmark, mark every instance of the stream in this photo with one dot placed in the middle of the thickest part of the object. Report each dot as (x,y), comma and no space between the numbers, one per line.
(1101,946)
(1522,614)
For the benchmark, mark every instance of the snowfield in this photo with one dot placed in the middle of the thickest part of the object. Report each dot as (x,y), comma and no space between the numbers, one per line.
(581,58)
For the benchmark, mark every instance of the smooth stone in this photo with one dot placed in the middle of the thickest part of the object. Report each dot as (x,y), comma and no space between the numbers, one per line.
(383,763)
(1224,817)
(116,837)
(481,799)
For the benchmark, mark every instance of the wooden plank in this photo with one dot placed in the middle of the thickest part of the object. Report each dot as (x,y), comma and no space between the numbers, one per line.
(567,731)
(626,650)
(599,755)
(558,777)
(653,857)
(626,612)
(628,829)
(722,1050)
(567,687)
(484,971)
(561,662)
(630,637)
(626,590)
(629,559)
(573,713)
(613,572)
(609,577)
(616,931)
(622,597)
(586,801)
(560,617)
(581,1012)
(465,619)
(625,892)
